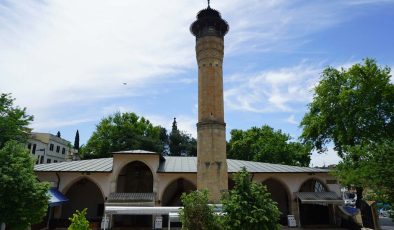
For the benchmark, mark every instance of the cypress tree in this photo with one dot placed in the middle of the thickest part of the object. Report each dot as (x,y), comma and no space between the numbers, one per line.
(76,140)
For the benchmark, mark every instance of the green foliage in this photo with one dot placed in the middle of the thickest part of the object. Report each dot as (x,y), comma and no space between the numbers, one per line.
(249,206)
(76,140)
(267,145)
(181,143)
(79,221)
(13,121)
(123,131)
(350,107)
(374,170)
(196,213)
(23,200)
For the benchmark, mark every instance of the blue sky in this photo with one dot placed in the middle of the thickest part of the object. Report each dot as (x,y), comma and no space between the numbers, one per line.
(66,60)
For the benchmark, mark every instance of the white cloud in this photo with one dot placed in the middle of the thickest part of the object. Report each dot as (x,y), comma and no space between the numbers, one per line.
(273,90)
(292,120)
(325,159)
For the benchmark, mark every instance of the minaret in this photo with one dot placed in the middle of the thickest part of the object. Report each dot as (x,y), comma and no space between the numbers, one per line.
(209,30)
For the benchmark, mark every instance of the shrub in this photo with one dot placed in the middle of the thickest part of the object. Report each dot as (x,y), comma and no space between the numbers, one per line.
(79,221)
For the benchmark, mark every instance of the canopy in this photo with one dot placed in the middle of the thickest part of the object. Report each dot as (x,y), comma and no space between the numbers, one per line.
(319,198)
(56,198)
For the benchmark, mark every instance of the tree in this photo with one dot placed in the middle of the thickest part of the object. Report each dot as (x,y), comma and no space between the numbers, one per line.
(249,206)
(58,134)
(181,143)
(79,221)
(123,131)
(175,140)
(374,170)
(196,214)
(353,107)
(267,145)
(76,140)
(13,121)
(24,200)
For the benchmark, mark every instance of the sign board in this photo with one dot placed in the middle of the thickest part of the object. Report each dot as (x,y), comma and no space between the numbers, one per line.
(291,221)
(158,222)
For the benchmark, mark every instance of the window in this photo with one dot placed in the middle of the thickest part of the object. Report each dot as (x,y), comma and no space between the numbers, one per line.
(42,160)
(48,160)
(38,159)
(63,150)
(29,146)
(57,148)
(34,149)
(54,161)
(51,147)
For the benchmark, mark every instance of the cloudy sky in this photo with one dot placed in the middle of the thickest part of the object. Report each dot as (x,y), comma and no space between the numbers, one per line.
(66,61)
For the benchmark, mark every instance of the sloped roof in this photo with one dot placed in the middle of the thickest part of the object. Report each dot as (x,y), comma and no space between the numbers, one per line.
(174,165)
(94,165)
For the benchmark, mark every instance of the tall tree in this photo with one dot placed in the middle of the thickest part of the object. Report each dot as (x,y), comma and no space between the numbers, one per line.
(24,200)
(175,140)
(249,206)
(351,107)
(13,121)
(123,131)
(181,143)
(76,140)
(58,134)
(267,145)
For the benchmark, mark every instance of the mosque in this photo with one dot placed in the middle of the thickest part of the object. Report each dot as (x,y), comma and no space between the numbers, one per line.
(138,189)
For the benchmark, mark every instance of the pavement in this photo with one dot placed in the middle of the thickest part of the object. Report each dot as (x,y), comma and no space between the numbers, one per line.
(386,223)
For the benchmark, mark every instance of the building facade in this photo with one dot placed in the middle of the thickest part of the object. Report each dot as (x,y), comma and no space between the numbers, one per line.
(49,148)
(147,179)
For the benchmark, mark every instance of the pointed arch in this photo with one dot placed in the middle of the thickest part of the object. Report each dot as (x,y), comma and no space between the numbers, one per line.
(280,193)
(172,193)
(313,185)
(83,193)
(135,177)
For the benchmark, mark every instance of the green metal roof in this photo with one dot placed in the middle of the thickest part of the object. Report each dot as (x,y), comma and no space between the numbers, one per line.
(174,165)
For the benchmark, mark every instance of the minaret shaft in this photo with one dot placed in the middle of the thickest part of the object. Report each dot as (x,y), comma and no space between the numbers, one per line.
(211,131)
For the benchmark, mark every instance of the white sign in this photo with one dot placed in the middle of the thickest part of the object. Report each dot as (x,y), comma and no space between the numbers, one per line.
(158,222)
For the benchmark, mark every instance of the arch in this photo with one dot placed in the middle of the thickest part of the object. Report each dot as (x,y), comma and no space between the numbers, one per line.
(313,185)
(281,195)
(135,177)
(172,193)
(78,199)
(315,214)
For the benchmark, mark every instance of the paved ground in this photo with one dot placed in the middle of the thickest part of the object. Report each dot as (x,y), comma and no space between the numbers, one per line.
(386,223)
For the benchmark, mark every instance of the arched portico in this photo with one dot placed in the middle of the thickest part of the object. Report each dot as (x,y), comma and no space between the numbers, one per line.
(280,194)
(135,177)
(84,193)
(316,214)
(172,194)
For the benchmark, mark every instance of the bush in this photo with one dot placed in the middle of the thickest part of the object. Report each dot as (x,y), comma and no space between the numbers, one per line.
(79,221)
(249,206)
(196,213)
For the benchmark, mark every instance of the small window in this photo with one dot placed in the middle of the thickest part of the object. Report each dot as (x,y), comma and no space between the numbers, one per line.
(34,149)
(48,160)
(57,148)
(51,147)
(54,161)
(29,146)
(38,160)
(63,150)
(42,159)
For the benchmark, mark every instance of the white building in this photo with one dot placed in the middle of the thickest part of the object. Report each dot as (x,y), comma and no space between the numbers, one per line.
(49,148)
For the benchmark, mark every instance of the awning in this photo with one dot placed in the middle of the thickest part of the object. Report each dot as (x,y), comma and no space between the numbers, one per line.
(319,198)
(56,198)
